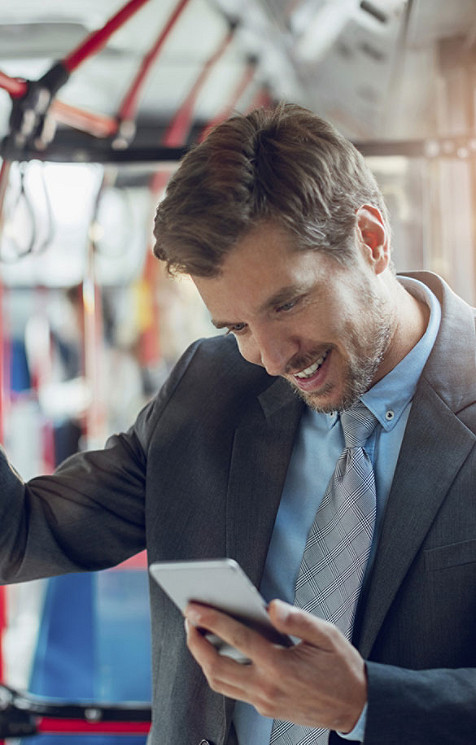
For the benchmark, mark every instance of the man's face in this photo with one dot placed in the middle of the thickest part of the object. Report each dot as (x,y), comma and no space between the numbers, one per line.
(300,314)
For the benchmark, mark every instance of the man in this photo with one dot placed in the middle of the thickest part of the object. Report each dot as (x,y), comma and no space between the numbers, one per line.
(284,231)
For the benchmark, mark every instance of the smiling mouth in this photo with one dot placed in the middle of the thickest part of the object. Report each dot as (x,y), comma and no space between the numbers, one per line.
(308,372)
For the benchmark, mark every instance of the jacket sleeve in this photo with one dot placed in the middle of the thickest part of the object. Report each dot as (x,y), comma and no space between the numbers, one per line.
(89,514)
(418,707)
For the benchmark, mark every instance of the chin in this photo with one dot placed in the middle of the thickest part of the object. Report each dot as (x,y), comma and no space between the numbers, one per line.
(324,402)
(329,399)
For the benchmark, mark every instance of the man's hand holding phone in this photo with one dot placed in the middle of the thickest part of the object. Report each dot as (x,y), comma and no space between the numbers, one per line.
(318,682)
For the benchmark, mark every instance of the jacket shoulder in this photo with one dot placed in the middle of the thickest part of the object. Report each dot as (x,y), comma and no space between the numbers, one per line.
(212,382)
(216,362)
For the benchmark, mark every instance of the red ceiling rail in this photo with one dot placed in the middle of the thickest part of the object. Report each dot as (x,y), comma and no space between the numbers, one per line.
(261,99)
(128,107)
(103,126)
(14,86)
(37,96)
(239,90)
(179,127)
(95,124)
(178,130)
(98,39)
(98,125)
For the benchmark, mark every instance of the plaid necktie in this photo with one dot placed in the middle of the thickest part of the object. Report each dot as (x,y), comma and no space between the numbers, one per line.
(337,549)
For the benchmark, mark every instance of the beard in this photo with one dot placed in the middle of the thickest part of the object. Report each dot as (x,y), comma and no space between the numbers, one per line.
(366,352)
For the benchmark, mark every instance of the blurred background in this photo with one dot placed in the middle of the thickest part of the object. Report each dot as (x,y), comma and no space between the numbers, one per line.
(98,102)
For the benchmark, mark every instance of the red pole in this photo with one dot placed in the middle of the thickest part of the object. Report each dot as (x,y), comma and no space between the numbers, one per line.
(4,174)
(3,626)
(95,420)
(3,590)
(96,415)
(2,363)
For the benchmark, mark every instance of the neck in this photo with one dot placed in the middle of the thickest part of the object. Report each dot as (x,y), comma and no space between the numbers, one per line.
(411,318)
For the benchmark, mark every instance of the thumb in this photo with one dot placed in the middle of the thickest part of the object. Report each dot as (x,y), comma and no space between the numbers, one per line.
(298,623)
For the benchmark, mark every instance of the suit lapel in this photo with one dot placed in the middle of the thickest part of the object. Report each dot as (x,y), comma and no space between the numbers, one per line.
(261,452)
(435,445)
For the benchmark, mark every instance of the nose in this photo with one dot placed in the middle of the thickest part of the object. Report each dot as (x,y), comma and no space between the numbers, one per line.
(273,350)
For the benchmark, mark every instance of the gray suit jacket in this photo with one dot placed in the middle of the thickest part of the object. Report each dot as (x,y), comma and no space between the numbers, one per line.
(200,474)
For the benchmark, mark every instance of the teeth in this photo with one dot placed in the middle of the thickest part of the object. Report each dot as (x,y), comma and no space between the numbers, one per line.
(312,368)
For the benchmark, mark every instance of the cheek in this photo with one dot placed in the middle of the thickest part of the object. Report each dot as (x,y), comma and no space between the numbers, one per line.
(323,325)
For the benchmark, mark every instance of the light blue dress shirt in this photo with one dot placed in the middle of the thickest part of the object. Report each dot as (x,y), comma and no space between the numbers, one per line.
(318,444)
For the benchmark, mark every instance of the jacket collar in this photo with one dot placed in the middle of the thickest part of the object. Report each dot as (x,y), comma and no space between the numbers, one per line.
(261,452)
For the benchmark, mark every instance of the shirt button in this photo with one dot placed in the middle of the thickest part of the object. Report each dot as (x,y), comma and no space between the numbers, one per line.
(389,415)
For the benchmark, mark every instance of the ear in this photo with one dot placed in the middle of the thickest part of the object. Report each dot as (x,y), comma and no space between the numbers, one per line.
(373,237)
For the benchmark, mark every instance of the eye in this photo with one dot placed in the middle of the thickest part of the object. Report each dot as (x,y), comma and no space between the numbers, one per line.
(237,328)
(287,306)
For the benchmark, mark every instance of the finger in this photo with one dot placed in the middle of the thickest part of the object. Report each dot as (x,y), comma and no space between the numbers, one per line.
(202,649)
(223,674)
(298,623)
(249,642)
(216,665)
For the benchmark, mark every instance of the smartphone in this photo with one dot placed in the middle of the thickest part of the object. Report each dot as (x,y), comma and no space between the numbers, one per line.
(222,584)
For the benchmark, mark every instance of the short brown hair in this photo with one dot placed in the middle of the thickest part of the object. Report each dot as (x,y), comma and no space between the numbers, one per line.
(285,165)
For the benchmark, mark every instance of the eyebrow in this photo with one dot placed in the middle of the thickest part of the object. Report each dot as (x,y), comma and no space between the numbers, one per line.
(283,295)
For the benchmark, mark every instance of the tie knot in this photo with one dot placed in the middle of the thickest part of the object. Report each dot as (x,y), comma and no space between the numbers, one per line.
(358,424)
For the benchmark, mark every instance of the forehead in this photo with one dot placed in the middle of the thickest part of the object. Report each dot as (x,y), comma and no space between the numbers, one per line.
(262,265)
